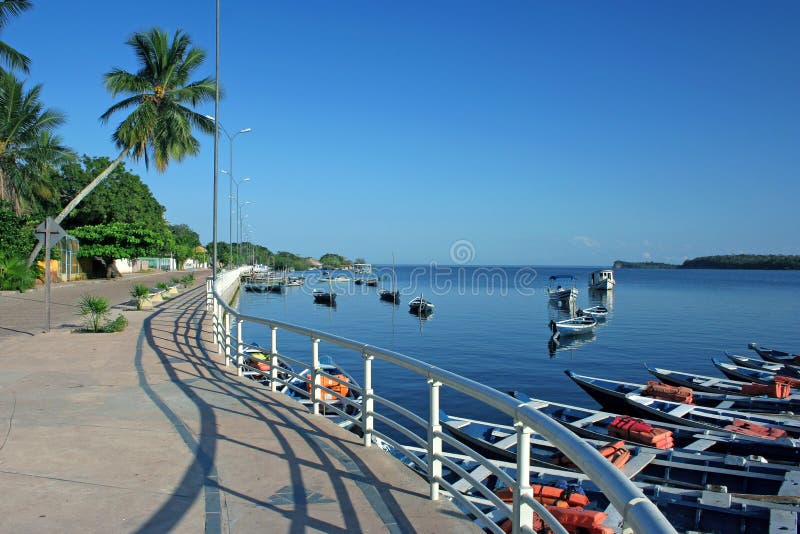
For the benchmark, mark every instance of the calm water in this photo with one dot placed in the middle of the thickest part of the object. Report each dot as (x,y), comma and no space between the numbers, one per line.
(490,325)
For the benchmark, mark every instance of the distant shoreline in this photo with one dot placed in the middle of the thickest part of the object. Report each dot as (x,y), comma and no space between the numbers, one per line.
(765,262)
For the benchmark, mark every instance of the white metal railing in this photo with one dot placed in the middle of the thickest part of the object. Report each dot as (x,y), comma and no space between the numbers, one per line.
(635,509)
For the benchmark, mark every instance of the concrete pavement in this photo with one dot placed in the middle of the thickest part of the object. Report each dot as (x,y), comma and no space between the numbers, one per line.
(143,431)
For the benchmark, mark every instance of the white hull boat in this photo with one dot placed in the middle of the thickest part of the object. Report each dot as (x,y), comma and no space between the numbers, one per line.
(575,327)
(602,280)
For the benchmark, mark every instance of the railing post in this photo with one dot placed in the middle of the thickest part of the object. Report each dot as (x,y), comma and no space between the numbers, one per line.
(209,293)
(239,347)
(315,377)
(523,512)
(273,360)
(434,441)
(228,337)
(367,421)
(219,328)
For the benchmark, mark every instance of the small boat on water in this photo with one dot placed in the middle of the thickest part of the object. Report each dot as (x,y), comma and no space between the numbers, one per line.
(763,365)
(255,287)
(599,312)
(773,355)
(256,366)
(661,434)
(602,280)
(340,393)
(573,327)
(611,395)
(388,295)
(275,288)
(710,384)
(371,282)
(670,467)
(562,288)
(324,297)
(420,306)
(746,374)
(338,278)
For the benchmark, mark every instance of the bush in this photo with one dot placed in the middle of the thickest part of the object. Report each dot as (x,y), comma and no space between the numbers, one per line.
(188,280)
(94,311)
(117,325)
(16,275)
(140,293)
(175,280)
(163,286)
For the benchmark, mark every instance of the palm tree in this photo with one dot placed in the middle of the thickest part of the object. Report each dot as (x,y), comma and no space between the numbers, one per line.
(13,58)
(29,151)
(159,128)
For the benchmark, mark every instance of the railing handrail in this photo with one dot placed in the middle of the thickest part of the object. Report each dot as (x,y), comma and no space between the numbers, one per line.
(635,508)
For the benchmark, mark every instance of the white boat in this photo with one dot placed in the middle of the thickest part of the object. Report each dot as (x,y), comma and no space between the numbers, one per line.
(599,312)
(574,327)
(562,287)
(340,278)
(602,280)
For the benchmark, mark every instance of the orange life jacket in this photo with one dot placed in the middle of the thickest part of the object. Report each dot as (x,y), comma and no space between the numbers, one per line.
(793,382)
(549,495)
(616,453)
(779,390)
(574,521)
(658,390)
(747,428)
(331,384)
(632,429)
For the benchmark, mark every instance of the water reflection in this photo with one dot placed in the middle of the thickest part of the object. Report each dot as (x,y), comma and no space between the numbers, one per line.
(606,298)
(569,343)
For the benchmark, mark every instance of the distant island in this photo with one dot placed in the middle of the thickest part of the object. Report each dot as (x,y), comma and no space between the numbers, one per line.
(728,261)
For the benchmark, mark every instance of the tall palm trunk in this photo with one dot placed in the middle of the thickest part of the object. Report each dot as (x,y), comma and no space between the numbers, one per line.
(79,197)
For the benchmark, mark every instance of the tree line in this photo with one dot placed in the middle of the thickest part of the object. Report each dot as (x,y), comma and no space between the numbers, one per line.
(725,261)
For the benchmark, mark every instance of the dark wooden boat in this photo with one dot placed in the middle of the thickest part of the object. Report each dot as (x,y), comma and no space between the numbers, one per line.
(763,365)
(359,282)
(745,374)
(324,297)
(671,467)
(611,395)
(711,384)
(595,424)
(389,296)
(372,282)
(707,509)
(420,306)
(773,355)
(275,288)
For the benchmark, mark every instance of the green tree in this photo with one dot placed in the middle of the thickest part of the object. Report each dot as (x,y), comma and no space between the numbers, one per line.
(161,96)
(334,261)
(30,153)
(186,240)
(16,233)
(122,197)
(121,240)
(11,57)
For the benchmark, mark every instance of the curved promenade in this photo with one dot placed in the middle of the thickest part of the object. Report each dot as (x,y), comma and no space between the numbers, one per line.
(144,431)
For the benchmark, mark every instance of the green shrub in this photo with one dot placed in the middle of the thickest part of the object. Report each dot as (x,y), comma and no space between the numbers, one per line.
(94,311)
(117,325)
(188,280)
(163,286)
(175,280)
(140,292)
(15,274)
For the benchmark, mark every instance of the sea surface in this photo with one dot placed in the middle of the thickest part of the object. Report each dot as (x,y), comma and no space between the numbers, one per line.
(491,325)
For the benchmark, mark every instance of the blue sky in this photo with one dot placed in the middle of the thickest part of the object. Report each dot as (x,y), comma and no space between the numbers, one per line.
(541,133)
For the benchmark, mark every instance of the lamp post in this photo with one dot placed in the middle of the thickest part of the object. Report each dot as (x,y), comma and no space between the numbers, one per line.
(239,225)
(231,139)
(240,217)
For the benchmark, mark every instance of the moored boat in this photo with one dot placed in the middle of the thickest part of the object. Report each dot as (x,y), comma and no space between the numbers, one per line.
(670,467)
(661,434)
(574,327)
(599,313)
(256,366)
(711,384)
(420,306)
(602,280)
(764,365)
(324,297)
(389,296)
(746,374)
(339,393)
(773,355)
(611,395)
(562,288)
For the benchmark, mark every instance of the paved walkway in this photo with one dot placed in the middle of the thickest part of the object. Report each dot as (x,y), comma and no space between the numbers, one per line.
(141,431)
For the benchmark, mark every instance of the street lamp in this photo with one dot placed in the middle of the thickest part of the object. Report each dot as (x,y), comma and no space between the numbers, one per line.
(240,217)
(231,138)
